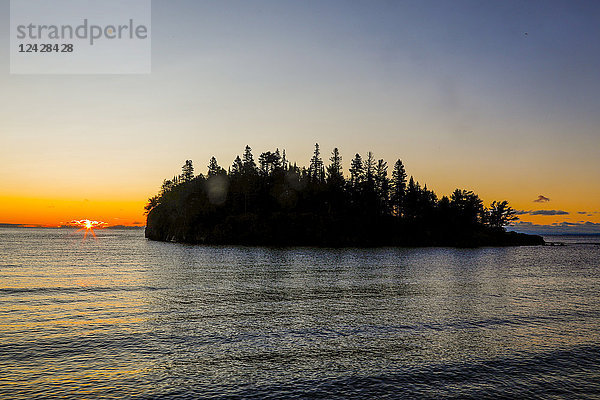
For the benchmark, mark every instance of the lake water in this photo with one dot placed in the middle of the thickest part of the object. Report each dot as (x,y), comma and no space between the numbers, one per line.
(122,317)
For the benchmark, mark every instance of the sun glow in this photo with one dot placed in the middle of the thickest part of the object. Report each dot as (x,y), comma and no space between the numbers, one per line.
(88,225)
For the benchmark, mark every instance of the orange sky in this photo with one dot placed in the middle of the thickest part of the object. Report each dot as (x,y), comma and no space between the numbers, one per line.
(49,190)
(117,210)
(55,212)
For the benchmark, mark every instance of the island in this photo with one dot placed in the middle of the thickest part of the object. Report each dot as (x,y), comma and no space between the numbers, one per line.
(274,202)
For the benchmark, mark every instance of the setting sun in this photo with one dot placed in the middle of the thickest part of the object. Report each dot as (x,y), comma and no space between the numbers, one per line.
(88,225)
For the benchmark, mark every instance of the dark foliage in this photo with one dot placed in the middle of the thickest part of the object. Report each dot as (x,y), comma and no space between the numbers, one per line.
(278,203)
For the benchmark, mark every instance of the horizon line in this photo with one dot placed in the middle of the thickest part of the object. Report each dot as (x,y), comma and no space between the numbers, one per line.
(62,226)
(543,229)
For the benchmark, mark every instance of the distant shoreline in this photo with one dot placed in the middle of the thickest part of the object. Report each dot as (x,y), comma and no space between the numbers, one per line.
(29,226)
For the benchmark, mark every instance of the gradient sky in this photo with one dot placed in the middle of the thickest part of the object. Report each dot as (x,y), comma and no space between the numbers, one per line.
(499,97)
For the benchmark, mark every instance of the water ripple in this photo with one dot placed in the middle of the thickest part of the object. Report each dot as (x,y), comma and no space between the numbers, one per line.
(121,317)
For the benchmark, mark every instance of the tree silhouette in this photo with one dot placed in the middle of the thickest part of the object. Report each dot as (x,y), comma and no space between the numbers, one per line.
(382,186)
(335,174)
(356,170)
(214,168)
(237,168)
(468,206)
(269,162)
(152,203)
(187,171)
(248,163)
(280,203)
(398,186)
(315,170)
(500,214)
(370,168)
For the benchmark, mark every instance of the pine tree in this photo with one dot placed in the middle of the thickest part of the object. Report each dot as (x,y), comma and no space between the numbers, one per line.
(264,162)
(248,161)
(284,161)
(398,185)
(269,162)
(500,214)
(315,170)
(237,167)
(468,206)
(187,171)
(411,199)
(166,187)
(277,162)
(335,175)
(370,168)
(214,168)
(152,202)
(356,170)
(382,184)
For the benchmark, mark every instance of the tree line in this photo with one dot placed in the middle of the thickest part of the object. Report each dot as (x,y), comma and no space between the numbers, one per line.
(273,201)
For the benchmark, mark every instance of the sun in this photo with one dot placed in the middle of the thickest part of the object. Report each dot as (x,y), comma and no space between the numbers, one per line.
(88,225)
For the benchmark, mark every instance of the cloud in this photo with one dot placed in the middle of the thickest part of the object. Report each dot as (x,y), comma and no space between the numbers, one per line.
(524,223)
(541,199)
(541,212)
(558,228)
(124,227)
(548,212)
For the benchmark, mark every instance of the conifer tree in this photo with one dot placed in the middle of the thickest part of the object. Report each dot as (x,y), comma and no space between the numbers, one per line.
(166,187)
(356,170)
(468,206)
(411,198)
(398,186)
(277,162)
(237,167)
(264,162)
(382,185)
(370,168)
(284,161)
(187,171)
(500,214)
(315,170)
(335,175)
(214,168)
(248,161)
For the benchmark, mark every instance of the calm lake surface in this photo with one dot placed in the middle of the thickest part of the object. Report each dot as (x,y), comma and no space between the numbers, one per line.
(122,317)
